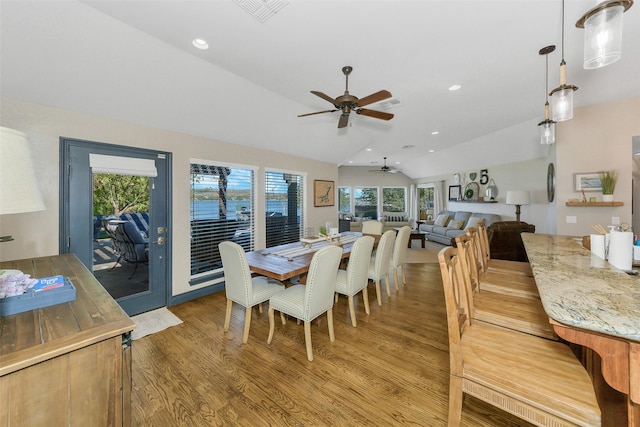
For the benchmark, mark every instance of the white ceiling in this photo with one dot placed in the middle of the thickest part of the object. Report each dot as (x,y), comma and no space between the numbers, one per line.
(134,61)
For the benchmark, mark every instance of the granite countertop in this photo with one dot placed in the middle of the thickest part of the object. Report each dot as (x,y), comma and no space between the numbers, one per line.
(582,290)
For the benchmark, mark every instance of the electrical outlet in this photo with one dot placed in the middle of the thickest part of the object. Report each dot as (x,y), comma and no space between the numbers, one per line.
(615,220)
(572,219)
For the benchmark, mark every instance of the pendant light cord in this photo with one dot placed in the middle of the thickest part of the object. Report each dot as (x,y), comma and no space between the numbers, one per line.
(562,30)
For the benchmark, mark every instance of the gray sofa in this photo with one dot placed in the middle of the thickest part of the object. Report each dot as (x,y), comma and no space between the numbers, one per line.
(447,224)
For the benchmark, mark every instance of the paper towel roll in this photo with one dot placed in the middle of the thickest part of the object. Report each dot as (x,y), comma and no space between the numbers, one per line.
(621,249)
(597,245)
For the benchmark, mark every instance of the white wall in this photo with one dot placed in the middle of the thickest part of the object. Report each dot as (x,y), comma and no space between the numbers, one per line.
(528,175)
(36,234)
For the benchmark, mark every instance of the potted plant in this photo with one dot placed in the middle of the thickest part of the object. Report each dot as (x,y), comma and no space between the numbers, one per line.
(608,181)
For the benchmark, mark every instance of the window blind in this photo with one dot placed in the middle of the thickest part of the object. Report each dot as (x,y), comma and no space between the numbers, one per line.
(222,208)
(284,195)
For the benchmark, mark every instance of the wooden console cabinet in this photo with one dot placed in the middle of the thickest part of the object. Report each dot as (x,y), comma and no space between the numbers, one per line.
(68,364)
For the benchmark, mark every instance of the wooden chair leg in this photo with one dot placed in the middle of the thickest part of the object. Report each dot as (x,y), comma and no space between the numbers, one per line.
(260,308)
(378,292)
(352,312)
(247,325)
(227,316)
(335,300)
(395,276)
(455,401)
(283,319)
(272,325)
(404,277)
(332,336)
(307,340)
(365,296)
(386,281)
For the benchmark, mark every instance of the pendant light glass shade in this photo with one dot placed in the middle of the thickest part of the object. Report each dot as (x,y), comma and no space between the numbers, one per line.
(547,126)
(562,96)
(603,33)
(547,132)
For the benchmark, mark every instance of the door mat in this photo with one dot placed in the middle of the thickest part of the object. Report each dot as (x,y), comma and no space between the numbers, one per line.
(153,321)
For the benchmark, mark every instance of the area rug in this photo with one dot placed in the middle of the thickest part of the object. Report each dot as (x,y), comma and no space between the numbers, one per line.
(428,254)
(153,321)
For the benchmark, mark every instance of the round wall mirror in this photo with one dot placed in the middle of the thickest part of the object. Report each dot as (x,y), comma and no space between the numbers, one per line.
(551,182)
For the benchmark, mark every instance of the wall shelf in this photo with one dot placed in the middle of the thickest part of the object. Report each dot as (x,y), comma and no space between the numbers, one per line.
(577,204)
(474,201)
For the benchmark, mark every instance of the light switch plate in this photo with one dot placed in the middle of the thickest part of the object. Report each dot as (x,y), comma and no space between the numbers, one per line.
(571,219)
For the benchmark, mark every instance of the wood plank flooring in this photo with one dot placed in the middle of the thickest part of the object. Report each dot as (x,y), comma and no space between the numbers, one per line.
(390,370)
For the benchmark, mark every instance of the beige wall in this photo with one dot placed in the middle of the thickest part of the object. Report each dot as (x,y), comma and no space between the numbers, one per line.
(598,138)
(36,234)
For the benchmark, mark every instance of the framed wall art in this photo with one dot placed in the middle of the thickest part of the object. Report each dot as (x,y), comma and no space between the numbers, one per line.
(323,193)
(587,181)
(454,192)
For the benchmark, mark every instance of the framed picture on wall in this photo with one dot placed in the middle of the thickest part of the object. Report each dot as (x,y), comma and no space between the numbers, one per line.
(323,194)
(454,192)
(587,181)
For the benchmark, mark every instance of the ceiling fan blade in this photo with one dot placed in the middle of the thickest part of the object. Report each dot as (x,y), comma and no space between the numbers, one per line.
(344,119)
(375,114)
(317,112)
(324,96)
(374,97)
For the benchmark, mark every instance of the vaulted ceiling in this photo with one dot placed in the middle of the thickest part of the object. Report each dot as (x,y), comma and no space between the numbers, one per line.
(134,61)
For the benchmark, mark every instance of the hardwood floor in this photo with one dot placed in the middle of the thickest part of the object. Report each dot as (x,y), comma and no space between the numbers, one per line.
(390,370)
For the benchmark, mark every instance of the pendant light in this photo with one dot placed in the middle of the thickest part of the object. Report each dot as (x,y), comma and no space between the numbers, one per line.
(562,96)
(548,126)
(603,33)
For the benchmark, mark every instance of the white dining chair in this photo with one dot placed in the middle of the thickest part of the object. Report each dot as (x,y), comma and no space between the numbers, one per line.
(355,278)
(372,227)
(240,287)
(306,302)
(399,255)
(379,263)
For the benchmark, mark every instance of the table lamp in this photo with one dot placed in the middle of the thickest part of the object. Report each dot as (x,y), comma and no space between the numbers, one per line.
(19,191)
(518,198)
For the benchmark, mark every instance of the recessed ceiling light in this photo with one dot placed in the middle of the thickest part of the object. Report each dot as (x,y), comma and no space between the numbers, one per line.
(431,151)
(397,163)
(200,44)
(369,149)
(454,87)
(350,161)
(435,132)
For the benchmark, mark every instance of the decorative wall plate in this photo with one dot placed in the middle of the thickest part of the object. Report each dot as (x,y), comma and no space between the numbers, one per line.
(473,176)
(471,191)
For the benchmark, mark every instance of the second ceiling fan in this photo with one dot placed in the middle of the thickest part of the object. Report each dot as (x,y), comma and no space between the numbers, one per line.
(347,103)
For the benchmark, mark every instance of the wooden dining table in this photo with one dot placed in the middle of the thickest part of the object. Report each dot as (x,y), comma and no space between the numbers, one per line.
(268,263)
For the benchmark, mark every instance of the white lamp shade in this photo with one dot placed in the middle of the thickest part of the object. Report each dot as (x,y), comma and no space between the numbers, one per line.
(19,191)
(562,105)
(518,197)
(603,37)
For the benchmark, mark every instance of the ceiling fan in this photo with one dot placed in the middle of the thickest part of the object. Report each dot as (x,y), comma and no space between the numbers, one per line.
(385,168)
(347,103)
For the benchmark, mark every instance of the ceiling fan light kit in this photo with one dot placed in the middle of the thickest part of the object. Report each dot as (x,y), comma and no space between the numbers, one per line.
(385,168)
(603,33)
(348,103)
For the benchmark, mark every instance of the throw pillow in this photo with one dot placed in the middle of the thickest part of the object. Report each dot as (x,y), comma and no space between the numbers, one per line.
(475,222)
(441,220)
(455,224)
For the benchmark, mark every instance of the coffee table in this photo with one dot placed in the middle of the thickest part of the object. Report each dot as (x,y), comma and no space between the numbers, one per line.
(415,235)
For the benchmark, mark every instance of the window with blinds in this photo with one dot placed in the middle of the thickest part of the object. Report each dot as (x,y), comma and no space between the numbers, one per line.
(222,208)
(284,193)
